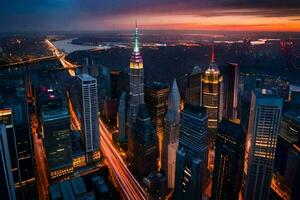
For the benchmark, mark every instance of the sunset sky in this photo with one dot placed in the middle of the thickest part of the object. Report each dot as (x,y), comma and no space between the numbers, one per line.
(231,15)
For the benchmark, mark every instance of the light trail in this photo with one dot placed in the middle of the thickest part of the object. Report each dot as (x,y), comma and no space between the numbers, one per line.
(129,187)
(28,61)
(39,155)
(62,58)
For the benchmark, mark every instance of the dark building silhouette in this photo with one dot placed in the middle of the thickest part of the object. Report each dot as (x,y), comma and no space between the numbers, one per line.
(156,95)
(193,90)
(229,161)
(143,145)
(231,82)
(191,156)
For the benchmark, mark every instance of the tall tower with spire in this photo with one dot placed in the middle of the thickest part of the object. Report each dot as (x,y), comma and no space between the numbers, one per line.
(171,135)
(212,89)
(136,93)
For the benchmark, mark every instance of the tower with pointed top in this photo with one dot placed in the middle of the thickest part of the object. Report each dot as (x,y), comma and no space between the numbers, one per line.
(212,97)
(136,76)
(171,134)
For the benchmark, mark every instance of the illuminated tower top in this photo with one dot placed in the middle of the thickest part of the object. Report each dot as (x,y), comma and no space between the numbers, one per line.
(213,68)
(136,44)
(136,60)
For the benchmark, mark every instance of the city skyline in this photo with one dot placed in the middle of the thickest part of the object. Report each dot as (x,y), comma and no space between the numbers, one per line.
(180,114)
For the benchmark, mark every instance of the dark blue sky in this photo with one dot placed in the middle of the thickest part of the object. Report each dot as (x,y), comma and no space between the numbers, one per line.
(152,14)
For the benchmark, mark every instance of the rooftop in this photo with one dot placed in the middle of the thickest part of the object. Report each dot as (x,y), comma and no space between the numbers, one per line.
(86,77)
(196,110)
(156,86)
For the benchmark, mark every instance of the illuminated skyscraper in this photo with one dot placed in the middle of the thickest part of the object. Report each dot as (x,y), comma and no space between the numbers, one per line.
(191,156)
(263,128)
(231,82)
(156,95)
(229,161)
(171,134)
(212,89)
(88,108)
(136,90)
(7,189)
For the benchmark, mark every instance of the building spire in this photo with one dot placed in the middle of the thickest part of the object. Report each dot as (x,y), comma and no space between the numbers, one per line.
(212,54)
(136,45)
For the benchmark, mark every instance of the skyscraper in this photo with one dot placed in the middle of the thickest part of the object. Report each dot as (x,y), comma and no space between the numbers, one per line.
(7,189)
(6,118)
(122,117)
(193,91)
(143,146)
(191,157)
(88,108)
(229,161)
(156,95)
(57,139)
(231,82)
(263,128)
(287,157)
(171,134)
(212,93)
(136,90)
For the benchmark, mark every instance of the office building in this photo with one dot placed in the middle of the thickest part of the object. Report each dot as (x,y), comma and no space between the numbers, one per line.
(229,161)
(191,157)
(88,109)
(156,95)
(171,135)
(231,82)
(263,128)
(287,157)
(15,115)
(7,189)
(56,131)
(136,74)
(143,145)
